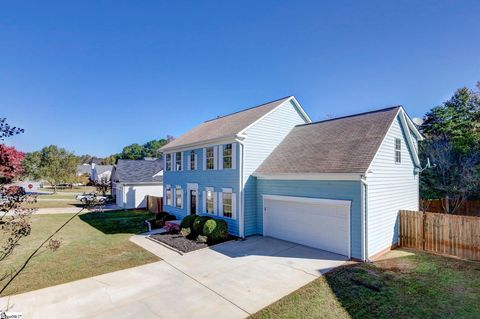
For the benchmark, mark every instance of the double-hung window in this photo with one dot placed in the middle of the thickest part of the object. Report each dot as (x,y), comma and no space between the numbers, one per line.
(227,156)
(398,151)
(193,161)
(168,162)
(210,157)
(209,201)
(178,197)
(227,205)
(168,191)
(178,161)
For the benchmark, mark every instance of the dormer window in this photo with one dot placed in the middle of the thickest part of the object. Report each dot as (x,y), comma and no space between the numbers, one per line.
(398,151)
(210,157)
(227,156)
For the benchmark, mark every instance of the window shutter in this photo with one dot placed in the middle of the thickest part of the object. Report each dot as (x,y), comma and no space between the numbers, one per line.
(182,162)
(174,161)
(215,157)
(234,155)
(174,200)
(215,203)
(196,161)
(188,162)
(204,201)
(204,158)
(234,205)
(220,157)
(220,204)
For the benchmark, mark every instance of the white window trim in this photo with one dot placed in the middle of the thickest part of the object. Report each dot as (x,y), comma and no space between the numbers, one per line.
(181,161)
(192,187)
(180,188)
(395,139)
(204,200)
(168,187)
(234,203)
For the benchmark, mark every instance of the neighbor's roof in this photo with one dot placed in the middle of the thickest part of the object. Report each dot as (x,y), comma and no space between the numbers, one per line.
(103,168)
(138,171)
(84,169)
(224,127)
(342,145)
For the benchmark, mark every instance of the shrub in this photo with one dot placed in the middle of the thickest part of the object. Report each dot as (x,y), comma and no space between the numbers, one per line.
(187,221)
(216,230)
(185,232)
(168,217)
(198,224)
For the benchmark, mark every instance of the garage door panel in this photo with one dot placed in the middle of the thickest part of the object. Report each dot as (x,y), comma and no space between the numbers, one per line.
(319,225)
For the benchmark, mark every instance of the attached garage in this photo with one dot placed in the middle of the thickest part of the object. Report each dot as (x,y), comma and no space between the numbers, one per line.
(315,222)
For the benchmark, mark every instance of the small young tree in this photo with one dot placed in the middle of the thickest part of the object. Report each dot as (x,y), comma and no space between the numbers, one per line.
(103,185)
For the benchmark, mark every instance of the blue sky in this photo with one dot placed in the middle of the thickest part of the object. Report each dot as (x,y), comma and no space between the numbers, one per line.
(94,76)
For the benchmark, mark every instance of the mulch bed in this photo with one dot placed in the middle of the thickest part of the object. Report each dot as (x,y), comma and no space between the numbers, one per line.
(182,243)
(179,242)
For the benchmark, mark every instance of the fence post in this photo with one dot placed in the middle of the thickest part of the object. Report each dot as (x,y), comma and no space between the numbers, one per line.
(424,226)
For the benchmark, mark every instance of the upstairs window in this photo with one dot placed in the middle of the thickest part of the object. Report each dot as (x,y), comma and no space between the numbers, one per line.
(168,162)
(193,161)
(398,151)
(227,156)
(178,161)
(210,157)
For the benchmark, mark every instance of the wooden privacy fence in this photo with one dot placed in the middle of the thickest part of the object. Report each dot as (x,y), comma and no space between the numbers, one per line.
(154,204)
(441,233)
(468,207)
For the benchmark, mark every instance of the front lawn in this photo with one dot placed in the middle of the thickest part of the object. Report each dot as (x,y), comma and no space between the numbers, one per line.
(91,244)
(404,284)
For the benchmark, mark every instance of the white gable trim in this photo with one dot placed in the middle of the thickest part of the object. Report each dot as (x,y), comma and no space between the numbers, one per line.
(295,103)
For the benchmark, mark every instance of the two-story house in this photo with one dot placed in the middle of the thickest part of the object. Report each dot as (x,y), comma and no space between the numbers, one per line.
(335,185)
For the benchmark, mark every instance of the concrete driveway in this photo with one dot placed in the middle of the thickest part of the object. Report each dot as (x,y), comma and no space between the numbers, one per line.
(231,280)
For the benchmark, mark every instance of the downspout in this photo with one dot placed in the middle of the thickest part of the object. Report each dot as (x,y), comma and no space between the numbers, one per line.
(364,209)
(240,190)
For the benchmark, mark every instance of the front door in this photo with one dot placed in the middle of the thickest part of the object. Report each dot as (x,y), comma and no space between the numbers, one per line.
(193,201)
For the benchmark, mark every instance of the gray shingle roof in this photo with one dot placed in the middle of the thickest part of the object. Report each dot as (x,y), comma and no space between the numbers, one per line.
(225,126)
(84,169)
(103,168)
(138,171)
(343,145)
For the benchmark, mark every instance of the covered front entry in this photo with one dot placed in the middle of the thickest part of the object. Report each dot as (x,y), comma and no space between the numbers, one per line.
(314,222)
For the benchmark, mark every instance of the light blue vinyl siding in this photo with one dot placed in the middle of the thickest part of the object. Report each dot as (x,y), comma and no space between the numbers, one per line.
(391,187)
(262,138)
(340,190)
(218,179)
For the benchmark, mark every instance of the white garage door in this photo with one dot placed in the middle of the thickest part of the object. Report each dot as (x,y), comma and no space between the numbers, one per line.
(318,223)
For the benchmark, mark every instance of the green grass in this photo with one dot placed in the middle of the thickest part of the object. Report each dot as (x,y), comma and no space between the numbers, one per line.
(80,189)
(91,244)
(404,284)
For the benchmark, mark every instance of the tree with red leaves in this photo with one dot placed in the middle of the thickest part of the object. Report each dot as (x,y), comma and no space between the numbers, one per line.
(10,163)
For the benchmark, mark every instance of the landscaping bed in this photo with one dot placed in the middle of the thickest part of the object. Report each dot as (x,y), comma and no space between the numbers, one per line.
(193,233)
(179,242)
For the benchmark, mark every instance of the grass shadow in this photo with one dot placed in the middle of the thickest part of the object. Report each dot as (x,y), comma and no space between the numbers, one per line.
(118,222)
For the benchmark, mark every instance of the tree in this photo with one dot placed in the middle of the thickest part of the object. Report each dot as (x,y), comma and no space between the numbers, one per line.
(110,160)
(456,120)
(454,176)
(149,149)
(52,163)
(10,163)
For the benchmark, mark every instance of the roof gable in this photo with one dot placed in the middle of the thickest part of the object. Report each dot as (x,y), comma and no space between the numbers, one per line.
(343,145)
(228,126)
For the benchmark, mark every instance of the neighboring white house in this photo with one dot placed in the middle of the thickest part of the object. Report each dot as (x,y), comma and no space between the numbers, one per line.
(133,180)
(101,172)
(84,169)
